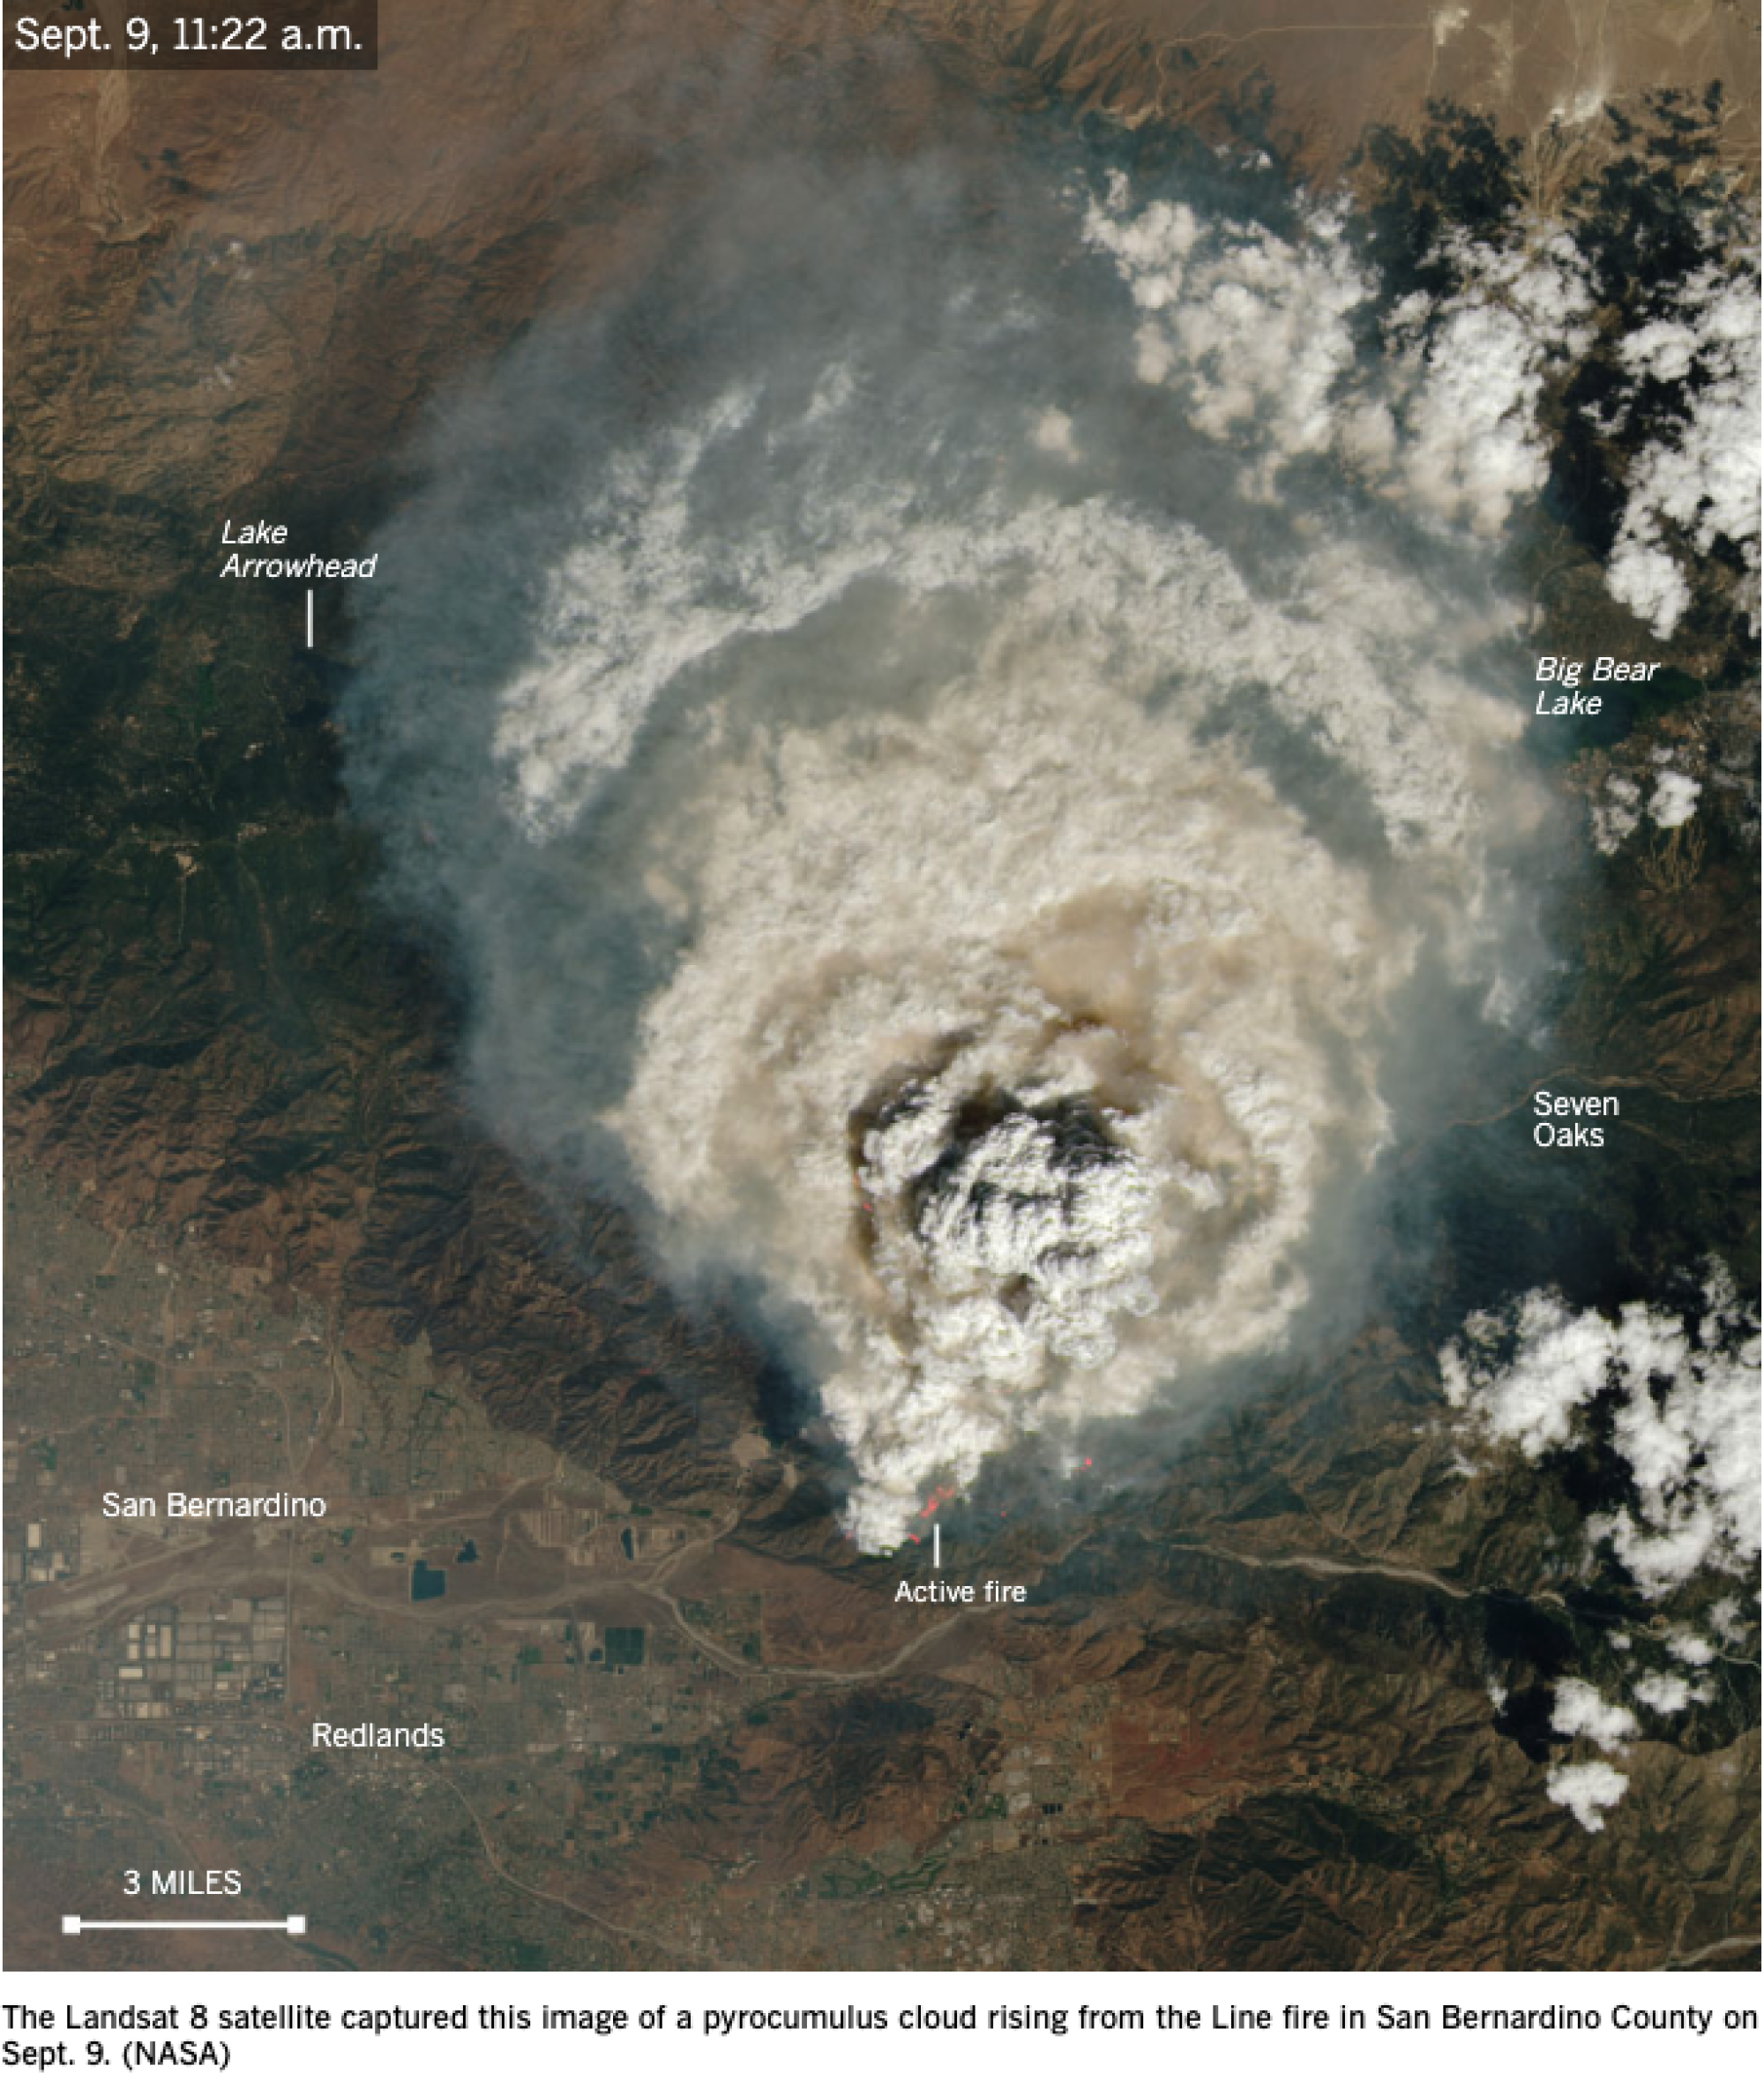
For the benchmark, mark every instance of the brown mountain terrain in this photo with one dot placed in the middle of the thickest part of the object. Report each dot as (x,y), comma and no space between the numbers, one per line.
(1326,72)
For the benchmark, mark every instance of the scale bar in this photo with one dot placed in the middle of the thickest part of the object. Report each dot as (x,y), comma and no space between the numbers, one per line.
(76,1924)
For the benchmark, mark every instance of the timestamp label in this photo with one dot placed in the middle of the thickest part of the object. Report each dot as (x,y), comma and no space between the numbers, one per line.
(177,36)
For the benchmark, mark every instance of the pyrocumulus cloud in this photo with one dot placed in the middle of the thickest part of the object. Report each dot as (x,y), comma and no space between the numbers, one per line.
(922,834)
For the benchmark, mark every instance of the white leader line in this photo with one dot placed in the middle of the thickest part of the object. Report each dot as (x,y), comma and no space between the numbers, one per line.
(308,647)
(937,1546)
(74,1925)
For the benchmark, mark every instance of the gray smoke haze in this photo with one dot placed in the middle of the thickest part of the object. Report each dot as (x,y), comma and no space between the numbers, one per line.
(946,729)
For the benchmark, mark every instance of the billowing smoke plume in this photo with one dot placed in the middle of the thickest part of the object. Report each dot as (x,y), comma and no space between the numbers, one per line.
(915,816)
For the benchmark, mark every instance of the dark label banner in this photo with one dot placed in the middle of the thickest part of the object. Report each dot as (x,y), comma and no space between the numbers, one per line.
(179,36)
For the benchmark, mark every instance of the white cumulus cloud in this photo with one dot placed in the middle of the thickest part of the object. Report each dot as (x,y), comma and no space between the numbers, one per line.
(1674,797)
(1588,1790)
(1473,371)
(1690,489)
(1685,1417)
(1668,1693)
(1256,331)
(1581,1713)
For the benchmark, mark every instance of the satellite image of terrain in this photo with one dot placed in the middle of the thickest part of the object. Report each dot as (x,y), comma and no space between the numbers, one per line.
(882,999)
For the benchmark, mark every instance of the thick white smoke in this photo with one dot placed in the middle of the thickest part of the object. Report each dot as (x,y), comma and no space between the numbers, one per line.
(1030,856)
